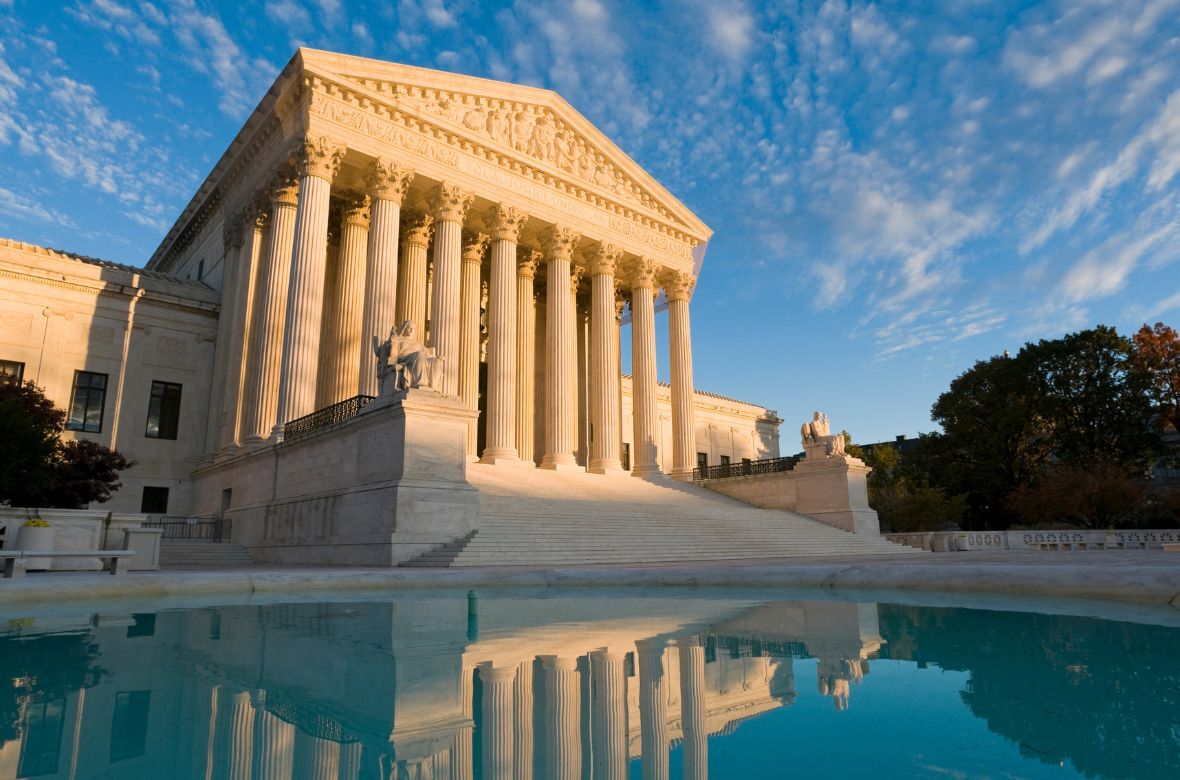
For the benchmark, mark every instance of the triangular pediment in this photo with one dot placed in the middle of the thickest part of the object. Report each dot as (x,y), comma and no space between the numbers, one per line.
(533,125)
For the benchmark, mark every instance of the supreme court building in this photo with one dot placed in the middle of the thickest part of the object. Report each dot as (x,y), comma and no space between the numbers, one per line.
(512,234)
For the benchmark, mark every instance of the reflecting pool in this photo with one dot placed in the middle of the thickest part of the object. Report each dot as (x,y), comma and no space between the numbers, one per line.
(514,685)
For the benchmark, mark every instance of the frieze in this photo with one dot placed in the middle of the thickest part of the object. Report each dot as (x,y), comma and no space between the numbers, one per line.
(391,132)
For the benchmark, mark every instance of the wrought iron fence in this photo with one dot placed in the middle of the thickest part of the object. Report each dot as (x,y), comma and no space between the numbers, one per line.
(745,469)
(211,529)
(309,425)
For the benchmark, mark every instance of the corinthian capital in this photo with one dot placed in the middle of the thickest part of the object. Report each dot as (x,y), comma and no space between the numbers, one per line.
(319,157)
(450,202)
(559,242)
(604,260)
(416,228)
(679,285)
(506,222)
(576,273)
(474,246)
(527,261)
(356,210)
(388,180)
(284,189)
(641,272)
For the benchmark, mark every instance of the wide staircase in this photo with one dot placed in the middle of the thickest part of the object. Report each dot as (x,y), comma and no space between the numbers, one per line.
(201,554)
(535,517)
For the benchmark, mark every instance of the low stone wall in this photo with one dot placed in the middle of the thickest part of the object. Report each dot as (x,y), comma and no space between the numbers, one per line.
(376,490)
(75,530)
(967,541)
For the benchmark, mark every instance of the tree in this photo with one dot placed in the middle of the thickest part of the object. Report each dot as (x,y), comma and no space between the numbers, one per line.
(1099,495)
(38,468)
(1157,353)
(1081,400)
(903,499)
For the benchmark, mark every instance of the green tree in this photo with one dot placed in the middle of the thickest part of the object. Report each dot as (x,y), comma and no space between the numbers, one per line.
(903,499)
(1157,352)
(38,468)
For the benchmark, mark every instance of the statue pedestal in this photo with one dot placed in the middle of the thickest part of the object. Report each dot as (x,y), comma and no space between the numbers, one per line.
(833,490)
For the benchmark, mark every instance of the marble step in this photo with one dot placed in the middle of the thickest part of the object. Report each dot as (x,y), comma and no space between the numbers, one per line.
(181,554)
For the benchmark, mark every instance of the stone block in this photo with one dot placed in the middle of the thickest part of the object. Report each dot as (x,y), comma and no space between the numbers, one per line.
(834,490)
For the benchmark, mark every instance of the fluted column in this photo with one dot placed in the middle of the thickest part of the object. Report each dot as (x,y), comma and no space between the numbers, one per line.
(387,183)
(316,758)
(499,720)
(560,348)
(343,353)
(617,340)
(653,710)
(305,292)
(461,767)
(231,250)
(523,731)
(679,288)
(610,715)
(643,370)
(270,313)
(350,761)
(417,230)
(526,347)
(604,358)
(449,206)
(276,747)
(474,246)
(241,737)
(563,734)
(692,709)
(329,314)
(579,414)
(252,223)
(503,321)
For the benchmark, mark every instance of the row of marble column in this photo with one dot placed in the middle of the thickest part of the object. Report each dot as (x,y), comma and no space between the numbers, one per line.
(245,740)
(509,707)
(299,327)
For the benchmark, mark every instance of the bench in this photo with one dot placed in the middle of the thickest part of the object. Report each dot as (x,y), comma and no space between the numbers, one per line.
(17,561)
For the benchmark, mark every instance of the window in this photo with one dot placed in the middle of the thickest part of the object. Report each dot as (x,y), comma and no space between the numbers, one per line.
(90,395)
(702,460)
(626,456)
(163,411)
(144,625)
(154,501)
(129,724)
(746,461)
(42,743)
(200,269)
(724,460)
(12,370)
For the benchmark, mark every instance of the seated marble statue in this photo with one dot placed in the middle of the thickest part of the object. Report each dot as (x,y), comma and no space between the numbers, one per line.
(404,362)
(818,440)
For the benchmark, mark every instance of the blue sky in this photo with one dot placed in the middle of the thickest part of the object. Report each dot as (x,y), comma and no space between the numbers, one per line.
(896,191)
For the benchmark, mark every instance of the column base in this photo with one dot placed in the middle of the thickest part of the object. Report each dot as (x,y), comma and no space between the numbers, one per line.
(682,475)
(652,472)
(504,457)
(560,463)
(609,466)
(252,442)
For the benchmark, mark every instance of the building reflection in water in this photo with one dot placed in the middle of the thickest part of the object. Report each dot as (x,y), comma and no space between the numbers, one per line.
(562,688)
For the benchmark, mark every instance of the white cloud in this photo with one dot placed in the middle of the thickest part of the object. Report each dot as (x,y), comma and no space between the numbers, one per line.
(288,13)
(26,209)
(1104,270)
(730,29)
(957,45)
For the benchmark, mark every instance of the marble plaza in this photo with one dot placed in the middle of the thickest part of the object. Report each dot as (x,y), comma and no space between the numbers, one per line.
(389,321)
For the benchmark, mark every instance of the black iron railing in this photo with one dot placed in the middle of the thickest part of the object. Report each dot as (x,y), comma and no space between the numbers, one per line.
(211,529)
(309,425)
(745,469)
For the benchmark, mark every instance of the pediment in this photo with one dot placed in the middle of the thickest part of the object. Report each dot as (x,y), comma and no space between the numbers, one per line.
(533,125)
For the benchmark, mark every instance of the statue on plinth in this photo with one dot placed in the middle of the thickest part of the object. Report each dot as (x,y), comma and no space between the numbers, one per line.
(818,441)
(404,362)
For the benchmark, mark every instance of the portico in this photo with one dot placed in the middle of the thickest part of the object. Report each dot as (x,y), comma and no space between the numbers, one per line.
(359,186)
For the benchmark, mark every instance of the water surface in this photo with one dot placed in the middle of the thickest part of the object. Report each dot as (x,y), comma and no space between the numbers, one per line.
(584,686)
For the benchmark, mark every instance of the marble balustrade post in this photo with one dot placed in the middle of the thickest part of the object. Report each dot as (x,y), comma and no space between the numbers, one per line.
(252,222)
(526,346)
(474,246)
(417,230)
(449,206)
(604,358)
(343,352)
(320,160)
(563,733)
(503,320)
(679,289)
(692,709)
(387,184)
(644,454)
(610,715)
(270,313)
(560,350)
(523,719)
(499,721)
